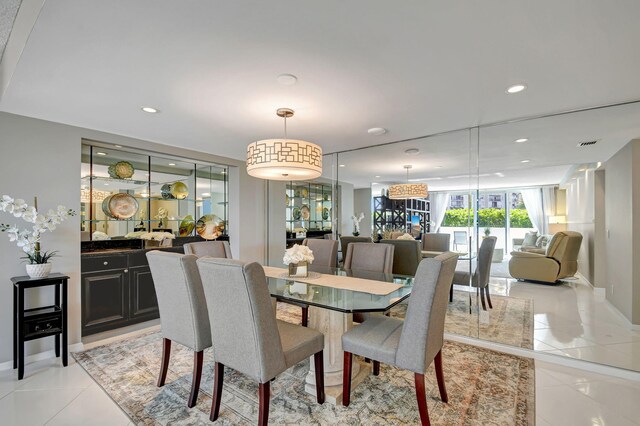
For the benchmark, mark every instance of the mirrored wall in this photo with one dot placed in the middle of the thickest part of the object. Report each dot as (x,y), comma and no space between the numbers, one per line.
(543,213)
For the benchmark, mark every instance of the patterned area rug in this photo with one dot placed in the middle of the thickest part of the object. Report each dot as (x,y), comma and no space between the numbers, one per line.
(484,387)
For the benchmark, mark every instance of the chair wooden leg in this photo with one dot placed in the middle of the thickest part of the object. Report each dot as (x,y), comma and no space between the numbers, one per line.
(318,362)
(263,410)
(217,391)
(305,316)
(195,380)
(346,380)
(486,292)
(164,364)
(421,395)
(440,377)
(376,368)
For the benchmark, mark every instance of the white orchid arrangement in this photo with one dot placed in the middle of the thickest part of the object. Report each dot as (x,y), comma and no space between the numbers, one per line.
(29,240)
(356,223)
(298,253)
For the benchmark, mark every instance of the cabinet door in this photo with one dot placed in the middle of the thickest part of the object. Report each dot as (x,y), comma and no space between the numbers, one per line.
(104,300)
(143,301)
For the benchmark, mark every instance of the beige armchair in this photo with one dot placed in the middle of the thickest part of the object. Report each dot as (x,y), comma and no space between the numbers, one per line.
(559,261)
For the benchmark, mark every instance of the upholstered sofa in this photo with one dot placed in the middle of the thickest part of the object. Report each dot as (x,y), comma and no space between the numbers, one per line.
(532,243)
(560,259)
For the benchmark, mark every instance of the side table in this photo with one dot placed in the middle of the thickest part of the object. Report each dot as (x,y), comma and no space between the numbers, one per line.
(43,321)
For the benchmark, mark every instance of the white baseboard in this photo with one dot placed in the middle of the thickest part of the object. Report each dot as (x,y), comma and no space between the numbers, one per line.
(629,325)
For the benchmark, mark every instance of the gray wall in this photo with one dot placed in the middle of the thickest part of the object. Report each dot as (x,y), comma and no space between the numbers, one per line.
(43,158)
(362,203)
(622,196)
(600,237)
(580,206)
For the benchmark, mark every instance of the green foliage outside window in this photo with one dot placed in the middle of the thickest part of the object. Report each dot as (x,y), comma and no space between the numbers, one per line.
(487,218)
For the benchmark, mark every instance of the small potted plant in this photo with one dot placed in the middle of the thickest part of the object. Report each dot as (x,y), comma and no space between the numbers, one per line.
(487,232)
(29,240)
(298,258)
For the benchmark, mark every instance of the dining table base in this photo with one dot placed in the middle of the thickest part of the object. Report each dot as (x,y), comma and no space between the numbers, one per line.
(333,324)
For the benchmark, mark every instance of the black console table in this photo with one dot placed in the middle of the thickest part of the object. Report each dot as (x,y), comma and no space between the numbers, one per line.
(44,321)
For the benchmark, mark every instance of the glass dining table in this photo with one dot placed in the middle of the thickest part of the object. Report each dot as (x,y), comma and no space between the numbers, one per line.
(331,310)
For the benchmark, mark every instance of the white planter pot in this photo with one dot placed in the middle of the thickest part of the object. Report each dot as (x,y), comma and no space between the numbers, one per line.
(39,270)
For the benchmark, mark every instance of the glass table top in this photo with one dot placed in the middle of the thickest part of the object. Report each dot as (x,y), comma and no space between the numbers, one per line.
(291,290)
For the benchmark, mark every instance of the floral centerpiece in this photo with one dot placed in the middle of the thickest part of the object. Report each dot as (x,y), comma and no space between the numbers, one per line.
(356,223)
(29,239)
(297,258)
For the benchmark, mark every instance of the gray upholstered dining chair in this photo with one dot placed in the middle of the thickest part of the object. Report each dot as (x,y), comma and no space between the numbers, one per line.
(407,255)
(183,312)
(346,240)
(375,257)
(482,273)
(325,252)
(247,335)
(435,243)
(369,257)
(209,248)
(410,344)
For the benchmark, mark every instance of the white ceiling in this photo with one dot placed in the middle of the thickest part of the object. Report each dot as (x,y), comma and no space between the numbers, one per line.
(492,158)
(415,67)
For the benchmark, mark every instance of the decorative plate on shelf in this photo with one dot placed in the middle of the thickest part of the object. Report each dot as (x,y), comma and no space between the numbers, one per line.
(325,214)
(120,206)
(304,192)
(121,170)
(165,191)
(210,227)
(186,226)
(306,213)
(179,190)
(296,213)
(287,200)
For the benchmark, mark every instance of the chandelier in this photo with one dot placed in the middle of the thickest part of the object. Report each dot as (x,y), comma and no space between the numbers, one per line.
(404,191)
(284,159)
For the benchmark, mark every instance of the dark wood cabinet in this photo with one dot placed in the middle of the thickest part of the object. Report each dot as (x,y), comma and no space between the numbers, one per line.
(143,304)
(117,291)
(104,300)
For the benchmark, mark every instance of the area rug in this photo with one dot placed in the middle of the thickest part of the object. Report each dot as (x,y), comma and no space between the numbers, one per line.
(484,387)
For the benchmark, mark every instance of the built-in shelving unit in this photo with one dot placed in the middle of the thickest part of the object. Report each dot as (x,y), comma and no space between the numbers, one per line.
(401,214)
(204,191)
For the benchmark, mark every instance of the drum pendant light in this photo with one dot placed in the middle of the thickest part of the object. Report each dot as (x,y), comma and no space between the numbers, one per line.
(284,159)
(407,191)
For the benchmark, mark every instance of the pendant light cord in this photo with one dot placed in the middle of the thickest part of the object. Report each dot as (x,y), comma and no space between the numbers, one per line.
(285,127)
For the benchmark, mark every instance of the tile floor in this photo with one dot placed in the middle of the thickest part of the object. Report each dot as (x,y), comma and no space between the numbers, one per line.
(53,395)
(571,321)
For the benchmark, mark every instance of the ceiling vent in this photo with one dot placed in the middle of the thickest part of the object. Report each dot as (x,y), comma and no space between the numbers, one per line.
(587,143)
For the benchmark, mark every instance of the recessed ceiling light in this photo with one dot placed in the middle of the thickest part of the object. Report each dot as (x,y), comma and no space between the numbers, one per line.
(376,176)
(438,167)
(342,165)
(500,174)
(374,183)
(412,151)
(101,153)
(118,146)
(206,194)
(525,161)
(172,164)
(516,88)
(521,140)
(287,79)
(150,110)
(377,131)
